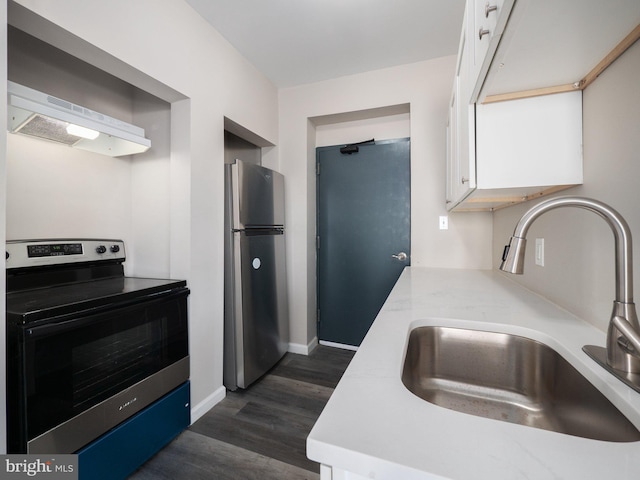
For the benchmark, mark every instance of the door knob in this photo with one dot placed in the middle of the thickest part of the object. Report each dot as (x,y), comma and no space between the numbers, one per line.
(400,256)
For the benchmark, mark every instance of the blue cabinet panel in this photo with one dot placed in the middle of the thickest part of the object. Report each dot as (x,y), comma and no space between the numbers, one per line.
(121,451)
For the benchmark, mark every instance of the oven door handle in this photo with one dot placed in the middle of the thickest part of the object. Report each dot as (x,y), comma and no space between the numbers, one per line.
(86,317)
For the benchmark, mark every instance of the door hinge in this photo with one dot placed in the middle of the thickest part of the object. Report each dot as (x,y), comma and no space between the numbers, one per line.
(318,320)
(318,168)
(317,242)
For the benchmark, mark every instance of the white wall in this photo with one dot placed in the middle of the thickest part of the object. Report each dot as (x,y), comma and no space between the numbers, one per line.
(379,128)
(579,246)
(151,198)
(425,87)
(56,191)
(175,55)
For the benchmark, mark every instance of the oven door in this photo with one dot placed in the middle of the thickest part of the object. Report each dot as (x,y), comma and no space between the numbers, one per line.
(76,378)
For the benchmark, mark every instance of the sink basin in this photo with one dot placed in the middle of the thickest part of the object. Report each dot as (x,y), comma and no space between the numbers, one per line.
(509,378)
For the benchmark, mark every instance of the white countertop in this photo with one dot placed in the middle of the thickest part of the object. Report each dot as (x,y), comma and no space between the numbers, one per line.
(374,427)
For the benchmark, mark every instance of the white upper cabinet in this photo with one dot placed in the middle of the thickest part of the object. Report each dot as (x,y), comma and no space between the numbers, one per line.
(515,126)
(485,29)
(557,43)
(520,149)
(526,148)
(544,145)
(461,178)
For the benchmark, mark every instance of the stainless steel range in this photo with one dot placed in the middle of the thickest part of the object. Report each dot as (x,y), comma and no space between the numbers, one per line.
(90,351)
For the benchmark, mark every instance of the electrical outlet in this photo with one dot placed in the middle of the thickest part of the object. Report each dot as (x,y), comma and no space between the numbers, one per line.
(444,222)
(540,251)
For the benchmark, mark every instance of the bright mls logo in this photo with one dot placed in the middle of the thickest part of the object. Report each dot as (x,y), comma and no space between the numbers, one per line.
(55,467)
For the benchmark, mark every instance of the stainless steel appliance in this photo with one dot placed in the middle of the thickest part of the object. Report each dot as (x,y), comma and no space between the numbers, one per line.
(89,349)
(256,313)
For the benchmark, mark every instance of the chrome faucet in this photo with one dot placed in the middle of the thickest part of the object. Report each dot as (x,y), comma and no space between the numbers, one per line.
(622,354)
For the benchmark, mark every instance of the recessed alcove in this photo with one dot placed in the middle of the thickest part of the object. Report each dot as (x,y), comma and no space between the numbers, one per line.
(56,191)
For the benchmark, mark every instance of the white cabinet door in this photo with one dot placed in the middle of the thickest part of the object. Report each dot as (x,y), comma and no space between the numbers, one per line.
(486,14)
(461,177)
(465,173)
(452,142)
(487,23)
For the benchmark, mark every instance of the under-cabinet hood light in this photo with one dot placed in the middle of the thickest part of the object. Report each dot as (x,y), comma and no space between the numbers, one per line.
(44,116)
(82,132)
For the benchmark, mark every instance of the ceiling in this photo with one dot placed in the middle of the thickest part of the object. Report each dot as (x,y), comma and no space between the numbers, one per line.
(294,42)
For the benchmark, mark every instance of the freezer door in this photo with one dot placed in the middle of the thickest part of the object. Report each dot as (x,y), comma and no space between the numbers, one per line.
(262,321)
(258,196)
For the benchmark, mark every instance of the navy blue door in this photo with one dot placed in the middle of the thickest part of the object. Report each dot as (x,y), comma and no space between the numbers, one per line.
(364,225)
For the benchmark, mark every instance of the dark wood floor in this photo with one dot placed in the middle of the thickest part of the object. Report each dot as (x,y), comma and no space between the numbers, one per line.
(258,433)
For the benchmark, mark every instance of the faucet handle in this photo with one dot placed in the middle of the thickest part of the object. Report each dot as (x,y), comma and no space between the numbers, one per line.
(626,345)
(630,339)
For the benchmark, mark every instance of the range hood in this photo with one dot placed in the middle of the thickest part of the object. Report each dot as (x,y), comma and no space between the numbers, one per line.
(37,114)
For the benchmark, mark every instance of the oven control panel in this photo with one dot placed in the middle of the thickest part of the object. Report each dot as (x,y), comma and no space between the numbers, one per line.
(54,249)
(31,253)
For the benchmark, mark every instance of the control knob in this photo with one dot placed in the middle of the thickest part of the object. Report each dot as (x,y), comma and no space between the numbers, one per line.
(101,249)
(115,248)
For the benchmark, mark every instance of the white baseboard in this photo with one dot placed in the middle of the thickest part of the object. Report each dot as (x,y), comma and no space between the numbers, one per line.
(339,345)
(303,349)
(207,404)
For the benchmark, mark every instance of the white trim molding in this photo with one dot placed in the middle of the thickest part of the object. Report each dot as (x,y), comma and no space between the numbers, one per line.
(304,349)
(339,345)
(207,404)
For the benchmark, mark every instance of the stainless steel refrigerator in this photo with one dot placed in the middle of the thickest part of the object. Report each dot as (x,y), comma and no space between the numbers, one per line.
(256,320)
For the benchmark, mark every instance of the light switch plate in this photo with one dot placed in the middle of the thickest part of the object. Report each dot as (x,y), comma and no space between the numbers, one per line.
(540,251)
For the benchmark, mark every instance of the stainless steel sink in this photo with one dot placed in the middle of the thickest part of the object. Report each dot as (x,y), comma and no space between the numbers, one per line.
(509,378)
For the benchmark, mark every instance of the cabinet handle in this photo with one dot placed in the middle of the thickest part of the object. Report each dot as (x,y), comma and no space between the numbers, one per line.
(464,180)
(482,33)
(488,9)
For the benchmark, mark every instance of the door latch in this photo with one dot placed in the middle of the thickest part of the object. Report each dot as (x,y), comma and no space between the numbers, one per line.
(400,256)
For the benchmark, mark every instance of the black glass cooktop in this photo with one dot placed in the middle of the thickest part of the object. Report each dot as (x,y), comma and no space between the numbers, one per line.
(32,305)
